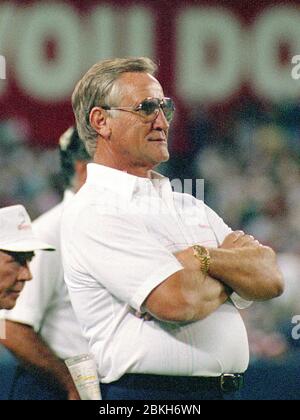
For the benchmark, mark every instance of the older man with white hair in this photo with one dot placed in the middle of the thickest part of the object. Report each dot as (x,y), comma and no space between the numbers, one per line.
(17,246)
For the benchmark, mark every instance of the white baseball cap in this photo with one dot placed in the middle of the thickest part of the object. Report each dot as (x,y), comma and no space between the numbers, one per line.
(16,232)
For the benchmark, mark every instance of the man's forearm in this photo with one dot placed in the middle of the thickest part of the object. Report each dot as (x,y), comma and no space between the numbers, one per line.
(28,346)
(240,264)
(203,293)
(187,295)
(252,272)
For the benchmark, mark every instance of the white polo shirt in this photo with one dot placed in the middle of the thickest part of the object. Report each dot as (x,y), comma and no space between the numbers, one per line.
(44,303)
(119,234)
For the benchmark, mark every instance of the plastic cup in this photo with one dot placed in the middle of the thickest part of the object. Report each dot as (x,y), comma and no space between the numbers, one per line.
(2,329)
(84,374)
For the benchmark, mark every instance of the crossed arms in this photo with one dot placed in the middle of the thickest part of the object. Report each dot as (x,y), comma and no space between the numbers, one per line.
(240,264)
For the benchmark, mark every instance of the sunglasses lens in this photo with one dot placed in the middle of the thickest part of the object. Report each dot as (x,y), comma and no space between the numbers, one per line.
(168,109)
(21,257)
(149,107)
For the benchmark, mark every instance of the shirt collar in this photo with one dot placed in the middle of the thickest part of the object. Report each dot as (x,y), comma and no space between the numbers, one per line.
(121,182)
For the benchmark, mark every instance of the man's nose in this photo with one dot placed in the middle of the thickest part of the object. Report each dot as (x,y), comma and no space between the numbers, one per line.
(161,121)
(24,273)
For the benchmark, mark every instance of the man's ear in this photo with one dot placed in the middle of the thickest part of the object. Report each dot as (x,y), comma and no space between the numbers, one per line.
(98,120)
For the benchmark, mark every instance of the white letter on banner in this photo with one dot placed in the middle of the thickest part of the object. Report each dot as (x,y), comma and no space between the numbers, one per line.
(6,19)
(272,80)
(140,29)
(2,68)
(102,33)
(118,33)
(43,79)
(196,80)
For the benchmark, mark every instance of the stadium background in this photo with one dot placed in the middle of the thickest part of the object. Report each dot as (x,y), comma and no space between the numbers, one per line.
(228,65)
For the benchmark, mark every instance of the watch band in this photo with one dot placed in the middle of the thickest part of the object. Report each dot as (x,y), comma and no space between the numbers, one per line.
(202,254)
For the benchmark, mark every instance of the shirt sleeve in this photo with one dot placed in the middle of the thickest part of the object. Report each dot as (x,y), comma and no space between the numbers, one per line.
(120,254)
(37,294)
(221,230)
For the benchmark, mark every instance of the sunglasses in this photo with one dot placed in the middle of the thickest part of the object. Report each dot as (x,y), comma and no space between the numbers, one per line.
(149,108)
(22,258)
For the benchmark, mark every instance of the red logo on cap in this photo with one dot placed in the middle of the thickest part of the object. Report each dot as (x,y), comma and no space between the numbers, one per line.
(23,225)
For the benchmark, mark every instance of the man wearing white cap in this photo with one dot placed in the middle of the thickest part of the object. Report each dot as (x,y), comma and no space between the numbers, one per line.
(42,329)
(17,246)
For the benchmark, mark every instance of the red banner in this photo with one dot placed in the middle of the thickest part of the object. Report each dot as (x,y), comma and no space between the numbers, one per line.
(209,52)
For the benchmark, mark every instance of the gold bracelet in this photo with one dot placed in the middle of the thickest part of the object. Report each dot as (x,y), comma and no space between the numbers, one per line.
(202,254)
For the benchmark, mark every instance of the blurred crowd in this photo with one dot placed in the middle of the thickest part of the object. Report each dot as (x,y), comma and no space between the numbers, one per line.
(249,157)
(29,175)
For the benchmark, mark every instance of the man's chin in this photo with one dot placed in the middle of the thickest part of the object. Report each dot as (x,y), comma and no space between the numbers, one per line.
(164,157)
(9,303)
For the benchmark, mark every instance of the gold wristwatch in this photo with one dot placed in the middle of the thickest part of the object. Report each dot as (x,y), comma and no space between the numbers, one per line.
(202,254)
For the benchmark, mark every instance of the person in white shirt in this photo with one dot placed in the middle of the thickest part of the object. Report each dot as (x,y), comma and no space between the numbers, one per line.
(42,330)
(131,245)
(17,246)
